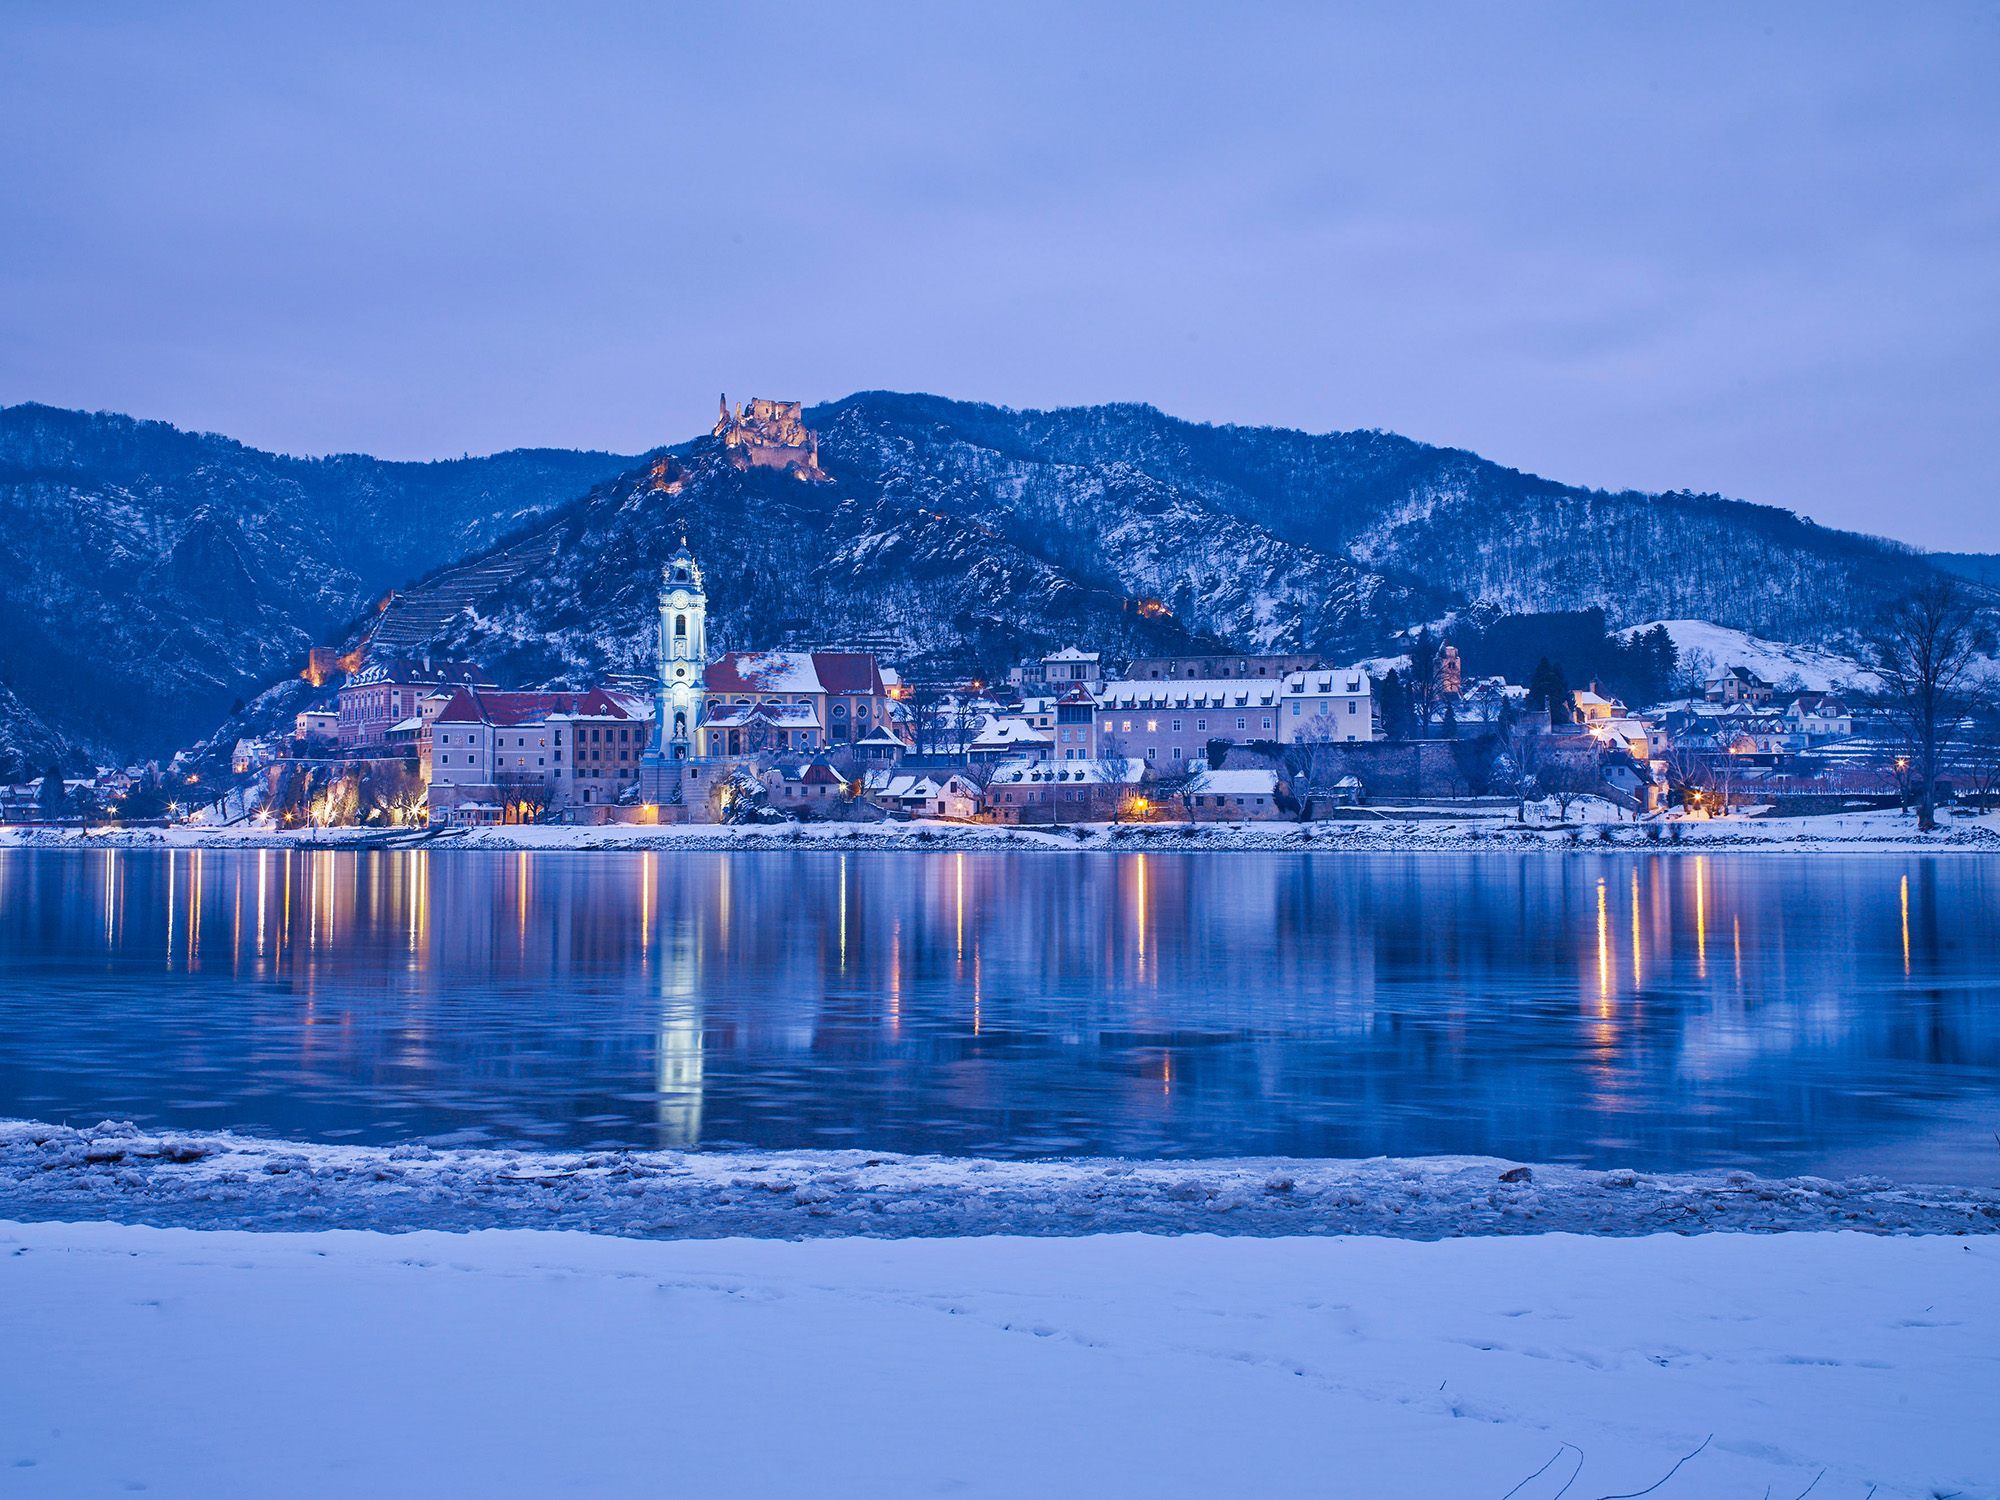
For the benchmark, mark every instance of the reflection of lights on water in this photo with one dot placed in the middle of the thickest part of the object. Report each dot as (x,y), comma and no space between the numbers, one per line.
(1701,914)
(975,990)
(1635,928)
(1906,926)
(678,1076)
(173,880)
(1603,950)
(521,896)
(896,978)
(843,913)
(646,901)
(959,876)
(110,895)
(1142,913)
(194,909)
(263,886)
(1167,1073)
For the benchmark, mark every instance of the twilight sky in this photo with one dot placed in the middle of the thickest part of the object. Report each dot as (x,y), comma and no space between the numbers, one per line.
(1746,249)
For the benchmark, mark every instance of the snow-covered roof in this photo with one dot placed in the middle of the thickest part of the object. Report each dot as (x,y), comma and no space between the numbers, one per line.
(795,672)
(1072,653)
(1250,781)
(1009,733)
(1197,692)
(1071,772)
(904,786)
(778,715)
(1340,680)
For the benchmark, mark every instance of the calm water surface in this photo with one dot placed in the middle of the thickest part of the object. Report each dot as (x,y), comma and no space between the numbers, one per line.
(1810,1013)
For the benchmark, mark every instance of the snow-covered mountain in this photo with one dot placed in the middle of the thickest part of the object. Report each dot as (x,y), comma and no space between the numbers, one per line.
(148,577)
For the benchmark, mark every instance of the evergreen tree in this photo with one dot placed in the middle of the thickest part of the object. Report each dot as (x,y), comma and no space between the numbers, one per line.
(50,798)
(1394,705)
(1548,691)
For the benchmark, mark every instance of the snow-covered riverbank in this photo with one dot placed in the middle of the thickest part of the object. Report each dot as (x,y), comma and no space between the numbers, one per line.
(1383,832)
(223,1364)
(116,1171)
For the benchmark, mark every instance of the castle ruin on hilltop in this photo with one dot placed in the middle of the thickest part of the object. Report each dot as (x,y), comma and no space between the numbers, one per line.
(769,434)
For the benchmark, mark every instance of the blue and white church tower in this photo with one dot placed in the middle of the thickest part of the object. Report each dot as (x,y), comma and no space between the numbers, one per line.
(683,653)
(682,692)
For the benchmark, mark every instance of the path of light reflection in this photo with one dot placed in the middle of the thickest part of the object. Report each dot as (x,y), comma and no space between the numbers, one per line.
(173,878)
(1635,928)
(1603,952)
(646,901)
(896,978)
(959,874)
(110,895)
(263,885)
(843,913)
(1141,859)
(679,1064)
(1701,915)
(194,909)
(1906,926)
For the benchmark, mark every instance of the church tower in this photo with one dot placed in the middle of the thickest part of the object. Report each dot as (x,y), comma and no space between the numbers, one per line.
(683,653)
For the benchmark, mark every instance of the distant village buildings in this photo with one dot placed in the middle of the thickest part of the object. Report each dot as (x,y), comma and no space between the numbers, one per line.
(814,727)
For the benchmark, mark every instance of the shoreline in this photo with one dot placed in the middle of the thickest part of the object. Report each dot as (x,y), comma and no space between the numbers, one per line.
(1870,832)
(217,1180)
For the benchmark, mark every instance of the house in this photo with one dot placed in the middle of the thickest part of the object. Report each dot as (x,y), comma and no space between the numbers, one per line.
(1075,727)
(1249,794)
(1168,724)
(317,724)
(879,749)
(1739,685)
(1063,791)
(247,756)
(1327,703)
(1593,707)
(925,794)
(1070,665)
(812,699)
(385,693)
(1819,716)
(812,787)
(1007,737)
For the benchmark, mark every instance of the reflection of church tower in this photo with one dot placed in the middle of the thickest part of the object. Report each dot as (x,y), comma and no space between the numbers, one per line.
(683,653)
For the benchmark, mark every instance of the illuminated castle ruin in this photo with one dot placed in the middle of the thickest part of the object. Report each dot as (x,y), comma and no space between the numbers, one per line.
(770,435)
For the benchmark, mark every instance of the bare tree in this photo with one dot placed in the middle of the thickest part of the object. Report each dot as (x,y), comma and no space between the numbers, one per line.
(1567,777)
(1925,647)
(1527,746)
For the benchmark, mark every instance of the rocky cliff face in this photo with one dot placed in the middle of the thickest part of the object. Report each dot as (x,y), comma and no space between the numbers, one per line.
(149,577)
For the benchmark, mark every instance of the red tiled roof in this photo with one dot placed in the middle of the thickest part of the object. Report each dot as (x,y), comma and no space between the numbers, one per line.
(507,710)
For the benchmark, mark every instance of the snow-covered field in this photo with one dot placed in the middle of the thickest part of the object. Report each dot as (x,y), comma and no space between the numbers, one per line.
(1591,826)
(532,1363)
(218,1180)
(1774,661)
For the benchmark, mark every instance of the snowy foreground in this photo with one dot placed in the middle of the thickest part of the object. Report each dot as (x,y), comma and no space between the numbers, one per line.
(534,1363)
(1593,827)
(116,1171)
